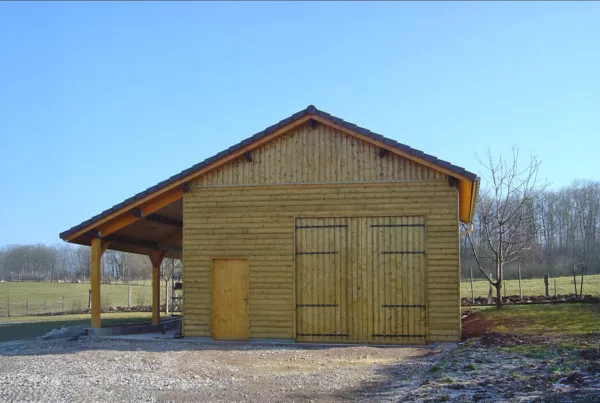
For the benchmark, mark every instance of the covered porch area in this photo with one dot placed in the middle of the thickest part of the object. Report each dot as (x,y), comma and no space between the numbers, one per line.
(152,227)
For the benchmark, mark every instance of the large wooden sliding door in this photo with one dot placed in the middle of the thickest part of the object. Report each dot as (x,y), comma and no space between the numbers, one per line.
(361,279)
(230,299)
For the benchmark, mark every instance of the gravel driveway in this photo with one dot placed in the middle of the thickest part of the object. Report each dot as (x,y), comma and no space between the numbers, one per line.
(104,370)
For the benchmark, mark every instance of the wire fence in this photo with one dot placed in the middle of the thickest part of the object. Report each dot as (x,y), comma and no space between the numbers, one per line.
(535,287)
(36,298)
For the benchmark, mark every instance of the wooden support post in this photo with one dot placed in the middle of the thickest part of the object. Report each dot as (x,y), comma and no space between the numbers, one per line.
(156,259)
(546,284)
(98,247)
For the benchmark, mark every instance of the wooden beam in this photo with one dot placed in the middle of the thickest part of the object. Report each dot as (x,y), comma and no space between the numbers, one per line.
(166,245)
(97,249)
(156,259)
(144,210)
(176,186)
(140,243)
(164,220)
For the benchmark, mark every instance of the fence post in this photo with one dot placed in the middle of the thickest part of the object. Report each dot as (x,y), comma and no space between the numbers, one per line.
(89,299)
(504,287)
(8,307)
(554,288)
(574,281)
(27,307)
(129,297)
(546,283)
(63,303)
(581,284)
(472,294)
(45,306)
(520,289)
(490,291)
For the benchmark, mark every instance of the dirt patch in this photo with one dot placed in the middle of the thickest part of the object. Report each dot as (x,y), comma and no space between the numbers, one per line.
(475,325)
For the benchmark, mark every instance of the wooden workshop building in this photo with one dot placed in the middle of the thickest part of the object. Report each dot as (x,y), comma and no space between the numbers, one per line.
(313,230)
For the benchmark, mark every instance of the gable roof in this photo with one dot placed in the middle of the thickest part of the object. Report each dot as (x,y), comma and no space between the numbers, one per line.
(311,112)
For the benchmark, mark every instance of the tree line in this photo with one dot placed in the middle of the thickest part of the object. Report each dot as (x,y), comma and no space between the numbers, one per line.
(549,231)
(69,263)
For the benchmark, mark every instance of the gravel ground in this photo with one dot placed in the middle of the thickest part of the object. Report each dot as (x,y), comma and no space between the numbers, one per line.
(104,370)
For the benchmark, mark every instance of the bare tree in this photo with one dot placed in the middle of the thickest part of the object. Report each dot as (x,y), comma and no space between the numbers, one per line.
(167,268)
(506,214)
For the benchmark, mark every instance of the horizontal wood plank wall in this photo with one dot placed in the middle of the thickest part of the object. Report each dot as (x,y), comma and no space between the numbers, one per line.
(257,222)
(324,154)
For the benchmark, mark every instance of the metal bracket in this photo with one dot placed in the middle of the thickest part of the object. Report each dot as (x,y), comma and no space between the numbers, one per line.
(404,306)
(322,226)
(316,253)
(403,253)
(316,305)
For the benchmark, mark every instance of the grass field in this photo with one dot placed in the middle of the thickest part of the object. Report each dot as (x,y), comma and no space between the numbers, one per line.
(564,285)
(16,328)
(49,296)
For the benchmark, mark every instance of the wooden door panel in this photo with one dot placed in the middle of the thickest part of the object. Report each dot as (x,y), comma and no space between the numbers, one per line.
(320,297)
(399,279)
(230,299)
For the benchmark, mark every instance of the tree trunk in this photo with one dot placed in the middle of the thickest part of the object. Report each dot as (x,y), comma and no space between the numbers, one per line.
(498,295)
(499,285)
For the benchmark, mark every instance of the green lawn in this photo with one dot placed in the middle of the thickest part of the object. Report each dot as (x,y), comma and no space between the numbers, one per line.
(15,328)
(564,285)
(543,319)
(49,296)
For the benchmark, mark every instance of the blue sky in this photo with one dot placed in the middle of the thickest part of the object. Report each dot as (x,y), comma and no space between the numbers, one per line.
(98,101)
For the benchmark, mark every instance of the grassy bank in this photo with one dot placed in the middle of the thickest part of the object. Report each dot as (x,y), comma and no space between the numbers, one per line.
(16,328)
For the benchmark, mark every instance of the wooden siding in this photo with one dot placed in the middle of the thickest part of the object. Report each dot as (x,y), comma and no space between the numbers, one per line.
(257,223)
(324,154)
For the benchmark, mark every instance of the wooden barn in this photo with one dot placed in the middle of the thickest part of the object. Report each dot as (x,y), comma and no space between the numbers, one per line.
(313,230)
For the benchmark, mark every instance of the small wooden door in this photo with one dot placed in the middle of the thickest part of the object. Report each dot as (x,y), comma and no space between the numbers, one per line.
(230,299)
